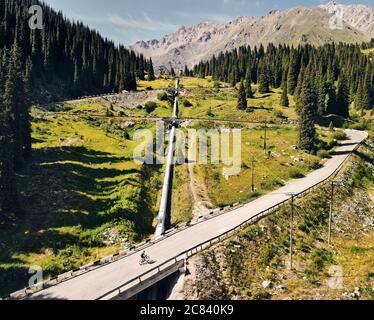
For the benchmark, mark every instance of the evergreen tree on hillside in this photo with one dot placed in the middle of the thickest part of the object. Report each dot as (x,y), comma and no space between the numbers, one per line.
(327,63)
(242,98)
(264,83)
(8,191)
(292,74)
(248,84)
(284,98)
(150,70)
(14,98)
(172,72)
(307,100)
(342,99)
(366,94)
(25,122)
(300,80)
(186,71)
(321,93)
(234,75)
(331,98)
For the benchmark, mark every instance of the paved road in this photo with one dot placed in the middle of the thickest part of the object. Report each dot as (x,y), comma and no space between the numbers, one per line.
(98,282)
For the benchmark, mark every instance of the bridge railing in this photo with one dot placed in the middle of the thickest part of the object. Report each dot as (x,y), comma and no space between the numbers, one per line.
(141,246)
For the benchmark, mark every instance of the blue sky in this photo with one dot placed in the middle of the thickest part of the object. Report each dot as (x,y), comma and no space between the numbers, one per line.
(127,21)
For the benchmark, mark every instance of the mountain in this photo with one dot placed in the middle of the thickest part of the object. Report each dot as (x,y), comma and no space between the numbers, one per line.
(327,23)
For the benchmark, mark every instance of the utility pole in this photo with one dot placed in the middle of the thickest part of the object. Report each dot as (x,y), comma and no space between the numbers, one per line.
(253,175)
(331,211)
(265,138)
(291,230)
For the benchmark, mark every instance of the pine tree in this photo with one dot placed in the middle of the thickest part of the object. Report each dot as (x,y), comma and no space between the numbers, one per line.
(186,72)
(13,101)
(342,99)
(151,73)
(331,98)
(299,85)
(25,122)
(284,99)
(172,72)
(366,98)
(248,83)
(292,74)
(242,98)
(264,85)
(321,94)
(8,190)
(307,130)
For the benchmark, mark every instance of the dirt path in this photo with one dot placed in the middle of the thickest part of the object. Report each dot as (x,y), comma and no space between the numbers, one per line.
(202,204)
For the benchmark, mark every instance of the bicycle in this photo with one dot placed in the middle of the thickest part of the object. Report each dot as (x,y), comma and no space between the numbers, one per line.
(145,260)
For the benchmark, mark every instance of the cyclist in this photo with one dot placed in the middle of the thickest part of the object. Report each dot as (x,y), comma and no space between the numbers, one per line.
(143,256)
(145,259)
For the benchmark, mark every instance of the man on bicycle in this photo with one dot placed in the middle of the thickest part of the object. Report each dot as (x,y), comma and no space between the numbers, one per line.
(143,256)
(145,259)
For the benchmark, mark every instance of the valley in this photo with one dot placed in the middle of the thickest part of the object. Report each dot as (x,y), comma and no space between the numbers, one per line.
(88,199)
(229,160)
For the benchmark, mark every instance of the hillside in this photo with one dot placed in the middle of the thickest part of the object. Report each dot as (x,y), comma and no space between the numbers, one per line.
(316,26)
(254,265)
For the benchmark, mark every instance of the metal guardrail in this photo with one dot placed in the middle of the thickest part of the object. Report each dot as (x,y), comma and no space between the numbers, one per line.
(143,245)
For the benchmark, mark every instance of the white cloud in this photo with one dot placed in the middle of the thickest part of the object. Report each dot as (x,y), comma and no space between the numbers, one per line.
(232,2)
(146,23)
(204,17)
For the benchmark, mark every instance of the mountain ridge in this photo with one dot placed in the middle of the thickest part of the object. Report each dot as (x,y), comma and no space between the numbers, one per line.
(331,22)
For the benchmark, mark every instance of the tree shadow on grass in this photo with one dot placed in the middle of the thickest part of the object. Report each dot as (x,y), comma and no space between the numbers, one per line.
(366,157)
(16,275)
(72,188)
(13,279)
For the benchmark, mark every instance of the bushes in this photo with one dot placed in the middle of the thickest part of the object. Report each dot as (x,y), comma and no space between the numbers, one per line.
(92,238)
(362,174)
(319,258)
(187,104)
(323,154)
(268,255)
(296,174)
(314,165)
(163,96)
(116,130)
(363,125)
(216,176)
(271,185)
(340,135)
(279,114)
(150,106)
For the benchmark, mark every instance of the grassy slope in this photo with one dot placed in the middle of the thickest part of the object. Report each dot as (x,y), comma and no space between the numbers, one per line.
(222,102)
(285,163)
(81,182)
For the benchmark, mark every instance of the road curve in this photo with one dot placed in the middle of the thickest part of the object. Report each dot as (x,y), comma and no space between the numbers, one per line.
(96,283)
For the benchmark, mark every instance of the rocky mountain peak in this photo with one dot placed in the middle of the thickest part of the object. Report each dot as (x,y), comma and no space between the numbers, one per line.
(319,25)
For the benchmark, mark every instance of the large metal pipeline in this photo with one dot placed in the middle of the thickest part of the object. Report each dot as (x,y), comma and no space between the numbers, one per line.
(166,190)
